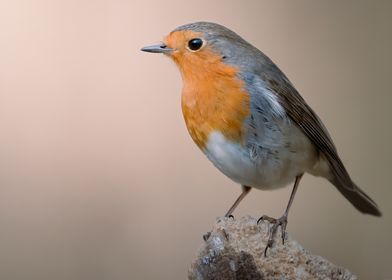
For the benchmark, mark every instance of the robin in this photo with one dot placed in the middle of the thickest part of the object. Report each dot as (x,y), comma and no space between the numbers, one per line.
(249,120)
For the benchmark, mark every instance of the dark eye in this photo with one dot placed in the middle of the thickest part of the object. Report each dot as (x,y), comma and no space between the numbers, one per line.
(195,44)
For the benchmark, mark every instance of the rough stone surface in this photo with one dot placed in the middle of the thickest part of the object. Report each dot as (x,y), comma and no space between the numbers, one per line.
(235,250)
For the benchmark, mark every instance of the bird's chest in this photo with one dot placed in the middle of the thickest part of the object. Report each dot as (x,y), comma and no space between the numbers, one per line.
(210,106)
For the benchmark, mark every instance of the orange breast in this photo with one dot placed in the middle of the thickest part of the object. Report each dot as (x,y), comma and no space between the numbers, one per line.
(213,99)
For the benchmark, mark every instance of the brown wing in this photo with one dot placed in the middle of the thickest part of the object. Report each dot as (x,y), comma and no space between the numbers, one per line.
(300,112)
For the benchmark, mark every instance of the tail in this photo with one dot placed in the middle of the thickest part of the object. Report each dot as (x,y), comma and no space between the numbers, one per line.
(357,197)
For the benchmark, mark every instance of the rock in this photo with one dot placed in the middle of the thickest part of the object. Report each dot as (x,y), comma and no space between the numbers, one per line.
(235,250)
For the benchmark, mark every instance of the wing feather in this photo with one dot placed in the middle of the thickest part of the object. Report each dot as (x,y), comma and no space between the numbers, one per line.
(303,116)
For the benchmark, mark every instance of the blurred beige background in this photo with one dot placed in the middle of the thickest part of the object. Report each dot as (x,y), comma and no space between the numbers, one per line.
(98,176)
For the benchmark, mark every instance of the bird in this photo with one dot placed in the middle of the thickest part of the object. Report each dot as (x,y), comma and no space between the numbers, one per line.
(249,120)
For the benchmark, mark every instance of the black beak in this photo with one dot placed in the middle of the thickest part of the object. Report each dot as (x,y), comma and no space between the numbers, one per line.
(160,48)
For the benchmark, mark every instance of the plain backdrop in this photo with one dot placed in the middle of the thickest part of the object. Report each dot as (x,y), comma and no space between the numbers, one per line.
(99,178)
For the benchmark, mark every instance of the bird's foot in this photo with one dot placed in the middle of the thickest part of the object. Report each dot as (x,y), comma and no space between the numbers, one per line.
(208,234)
(282,222)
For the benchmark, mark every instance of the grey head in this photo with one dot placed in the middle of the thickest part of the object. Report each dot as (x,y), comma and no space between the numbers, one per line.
(233,48)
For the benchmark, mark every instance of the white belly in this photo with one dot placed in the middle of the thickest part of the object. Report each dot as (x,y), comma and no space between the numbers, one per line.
(272,170)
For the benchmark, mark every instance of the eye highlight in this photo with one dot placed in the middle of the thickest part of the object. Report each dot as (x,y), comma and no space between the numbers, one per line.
(195,44)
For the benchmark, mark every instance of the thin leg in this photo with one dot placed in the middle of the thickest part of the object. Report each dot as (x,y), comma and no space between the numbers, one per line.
(282,221)
(245,191)
(296,183)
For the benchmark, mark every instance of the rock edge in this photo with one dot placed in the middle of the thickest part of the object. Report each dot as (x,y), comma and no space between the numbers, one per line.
(235,250)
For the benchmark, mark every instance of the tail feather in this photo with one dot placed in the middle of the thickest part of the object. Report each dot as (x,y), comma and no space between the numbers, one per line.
(357,197)
(342,181)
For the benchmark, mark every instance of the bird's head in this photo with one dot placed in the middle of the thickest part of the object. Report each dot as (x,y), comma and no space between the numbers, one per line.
(202,48)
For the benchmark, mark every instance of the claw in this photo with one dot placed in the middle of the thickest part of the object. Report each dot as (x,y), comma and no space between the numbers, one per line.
(281,222)
(265,250)
(267,218)
(270,242)
(206,236)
